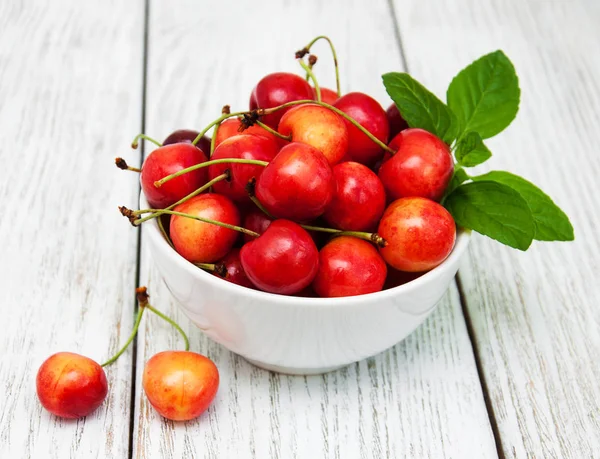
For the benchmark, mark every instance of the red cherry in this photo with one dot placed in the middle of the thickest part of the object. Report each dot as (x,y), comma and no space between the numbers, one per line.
(319,127)
(420,234)
(230,128)
(255,220)
(180,385)
(327,95)
(70,385)
(165,161)
(349,266)
(395,121)
(284,259)
(235,271)
(201,242)
(276,89)
(242,147)
(422,166)
(188,136)
(359,199)
(297,184)
(371,116)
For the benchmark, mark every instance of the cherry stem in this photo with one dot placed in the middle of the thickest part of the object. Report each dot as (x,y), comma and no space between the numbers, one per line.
(273,131)
(310,73)
(373,237)
(255,162)
(164,233)
(136,141)
(221,118)
(136,326)
(250,189)
(217,268)
(122,164)
(335,60)
(172,322)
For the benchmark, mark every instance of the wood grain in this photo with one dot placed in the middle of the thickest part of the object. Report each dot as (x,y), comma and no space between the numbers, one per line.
(535,315)
(70,100)
(422,398)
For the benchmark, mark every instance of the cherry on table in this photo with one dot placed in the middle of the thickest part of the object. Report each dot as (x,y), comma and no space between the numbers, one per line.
(395,120)
(349,266)
(366,111)
(420,234)
(276,89)
(71,385)
(284,259)
(422,166)
(297,184)
(188,136)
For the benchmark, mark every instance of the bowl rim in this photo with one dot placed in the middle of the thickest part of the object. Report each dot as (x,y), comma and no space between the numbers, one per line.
(463,237)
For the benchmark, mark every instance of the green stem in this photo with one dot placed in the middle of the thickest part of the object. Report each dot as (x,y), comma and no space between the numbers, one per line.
(221,118)
(372,237)
(172,322)
(313,78)
(138,319)
(274,132)
(164,233)
(136,141)
(213,140)
(163,180)
(335,60)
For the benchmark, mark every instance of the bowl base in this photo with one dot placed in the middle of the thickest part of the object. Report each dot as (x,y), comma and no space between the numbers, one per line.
(294,371)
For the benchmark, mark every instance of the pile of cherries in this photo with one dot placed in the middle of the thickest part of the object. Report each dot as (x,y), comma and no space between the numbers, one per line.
(307,193)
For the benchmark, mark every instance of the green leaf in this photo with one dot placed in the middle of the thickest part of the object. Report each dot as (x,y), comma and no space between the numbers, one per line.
(485,95)
(419,107)
(471,151)
(494,210)
(459,176)
(551,223)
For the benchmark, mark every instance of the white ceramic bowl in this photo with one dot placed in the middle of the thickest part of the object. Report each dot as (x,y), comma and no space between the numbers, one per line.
(298,335)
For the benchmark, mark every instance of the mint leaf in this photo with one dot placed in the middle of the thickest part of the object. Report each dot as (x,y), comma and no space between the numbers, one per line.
(459,176)
(471,151)
(494,210)
(419,107)
(551,223)
(485,95)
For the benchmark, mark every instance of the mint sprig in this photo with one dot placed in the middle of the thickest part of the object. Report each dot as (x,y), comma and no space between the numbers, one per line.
(483,99)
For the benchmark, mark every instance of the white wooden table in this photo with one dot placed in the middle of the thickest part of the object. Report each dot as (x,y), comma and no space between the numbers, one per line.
(508,365)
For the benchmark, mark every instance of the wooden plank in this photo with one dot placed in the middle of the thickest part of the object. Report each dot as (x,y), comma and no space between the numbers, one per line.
(420,399)
(70,92)
(535,314)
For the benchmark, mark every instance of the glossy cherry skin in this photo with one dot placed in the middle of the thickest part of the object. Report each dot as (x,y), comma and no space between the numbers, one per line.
(297,184)
(70,385)
(235,272)
(284,259)
(276,89)
(319,127)
(166,161)
(395,121)
(371,116)
(188,136)
(327,95)
(180,385)
(255,220)
(231,127)
(420,234)
(359,198)
(422,166)
(240,147)
(201,242)
(349,266)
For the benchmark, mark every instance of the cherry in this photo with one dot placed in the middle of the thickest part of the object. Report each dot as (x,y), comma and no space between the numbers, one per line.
(167,160)
(420,234)
(328,96)
(70,385)
(231,127)
(372,117)
(277,89)
(396,278)
(349,266)
(180,385)
(255,220)
(359,199)
(297,184)
(284,259)
(188,136)
(422,166)
(202,242)
(234,271)
(242,147)
(319,127)
(395,121)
